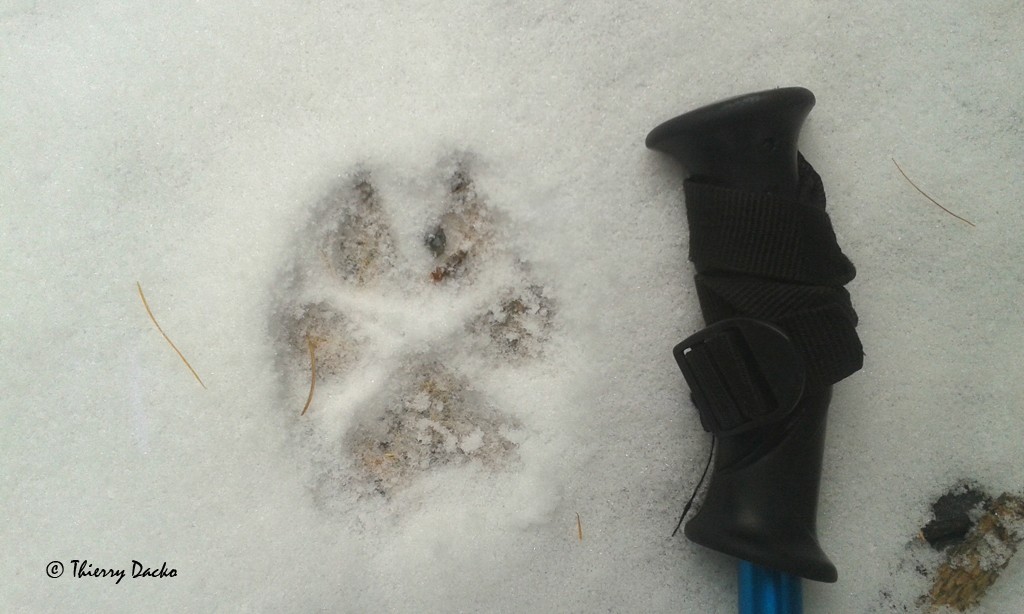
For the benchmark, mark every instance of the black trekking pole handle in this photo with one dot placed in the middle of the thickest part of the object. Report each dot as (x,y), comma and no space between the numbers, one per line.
(780,332)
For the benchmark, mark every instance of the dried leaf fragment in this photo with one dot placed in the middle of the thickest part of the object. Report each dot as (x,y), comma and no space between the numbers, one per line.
(974,565)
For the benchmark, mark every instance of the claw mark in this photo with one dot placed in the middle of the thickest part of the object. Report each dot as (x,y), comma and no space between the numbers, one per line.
(579,526)
(312,373)
(900,169)
(168,339)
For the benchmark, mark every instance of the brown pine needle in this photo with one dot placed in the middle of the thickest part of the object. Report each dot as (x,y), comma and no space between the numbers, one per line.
(579,526)
(312,377)
(168,339)
(900,169)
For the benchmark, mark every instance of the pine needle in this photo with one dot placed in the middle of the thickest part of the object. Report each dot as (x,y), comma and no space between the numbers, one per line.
(935,202)
(168,339)
(312,377)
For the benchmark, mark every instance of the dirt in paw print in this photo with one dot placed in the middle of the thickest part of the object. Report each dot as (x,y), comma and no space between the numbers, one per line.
(355,240)
(434,418)
(464,232)
(379,327)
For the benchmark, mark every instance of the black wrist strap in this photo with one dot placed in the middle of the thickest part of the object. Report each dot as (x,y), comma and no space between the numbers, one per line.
(777,262)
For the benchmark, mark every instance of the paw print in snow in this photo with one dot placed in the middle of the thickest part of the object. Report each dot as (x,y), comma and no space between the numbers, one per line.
(395,317)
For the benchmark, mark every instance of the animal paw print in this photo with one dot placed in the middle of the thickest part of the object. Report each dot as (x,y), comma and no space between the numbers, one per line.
(382,319)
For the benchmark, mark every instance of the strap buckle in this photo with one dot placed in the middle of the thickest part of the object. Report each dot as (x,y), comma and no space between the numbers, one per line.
(743,373)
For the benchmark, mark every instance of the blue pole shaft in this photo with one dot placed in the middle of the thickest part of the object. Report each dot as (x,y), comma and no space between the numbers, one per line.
(766,591)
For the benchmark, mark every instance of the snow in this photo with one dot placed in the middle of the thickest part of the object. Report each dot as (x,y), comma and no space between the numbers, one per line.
(188,147)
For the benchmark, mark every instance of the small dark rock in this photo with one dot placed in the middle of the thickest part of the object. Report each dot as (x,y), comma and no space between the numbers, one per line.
(436,241)
(943,533)
(952,519)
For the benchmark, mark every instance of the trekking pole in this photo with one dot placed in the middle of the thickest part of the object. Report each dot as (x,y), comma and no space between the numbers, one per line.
(781,331)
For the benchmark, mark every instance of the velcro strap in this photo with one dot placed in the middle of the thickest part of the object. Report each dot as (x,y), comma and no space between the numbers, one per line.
(743,373)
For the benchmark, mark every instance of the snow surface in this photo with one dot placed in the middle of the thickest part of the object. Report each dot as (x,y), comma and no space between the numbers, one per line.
(186,145)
